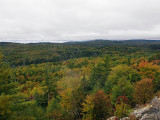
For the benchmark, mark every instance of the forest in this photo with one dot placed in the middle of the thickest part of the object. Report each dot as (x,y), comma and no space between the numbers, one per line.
(90,80)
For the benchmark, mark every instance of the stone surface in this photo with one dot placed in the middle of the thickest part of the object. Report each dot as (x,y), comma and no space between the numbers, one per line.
(112,118)
(149,112)
(126,118)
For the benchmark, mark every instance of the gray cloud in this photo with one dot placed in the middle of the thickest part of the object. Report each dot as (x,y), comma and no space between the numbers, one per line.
(66,20)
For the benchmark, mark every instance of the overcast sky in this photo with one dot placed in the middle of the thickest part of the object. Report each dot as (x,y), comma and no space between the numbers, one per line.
(78,20)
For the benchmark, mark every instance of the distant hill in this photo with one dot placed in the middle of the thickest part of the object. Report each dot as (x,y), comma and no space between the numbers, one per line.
(136,42)
(98,42)
(35,53)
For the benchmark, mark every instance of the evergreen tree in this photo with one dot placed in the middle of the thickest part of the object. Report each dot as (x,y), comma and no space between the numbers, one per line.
(100,73)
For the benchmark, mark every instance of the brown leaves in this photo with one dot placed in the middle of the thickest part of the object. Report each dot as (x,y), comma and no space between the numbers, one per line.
(143,91)
(97,106)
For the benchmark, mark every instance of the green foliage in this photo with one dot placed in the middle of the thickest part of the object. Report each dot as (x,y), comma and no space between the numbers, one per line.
(88,108)
(66,81)
(1,55)
(121,72)
(154,57)
(54,110)
(71,102)
(156,83)
(99,73)
(28,109)
(121,107)
(123,88)
(5,106)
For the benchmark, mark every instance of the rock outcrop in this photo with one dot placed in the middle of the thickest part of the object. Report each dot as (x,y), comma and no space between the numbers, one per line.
(112,118)
(149,112)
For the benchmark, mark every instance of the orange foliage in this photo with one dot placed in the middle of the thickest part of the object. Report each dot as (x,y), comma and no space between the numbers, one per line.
(148,69)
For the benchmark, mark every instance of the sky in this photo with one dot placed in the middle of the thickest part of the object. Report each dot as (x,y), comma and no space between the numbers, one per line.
(26,21)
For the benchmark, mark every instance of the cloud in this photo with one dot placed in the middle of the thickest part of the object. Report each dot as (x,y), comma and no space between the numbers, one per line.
(76,20)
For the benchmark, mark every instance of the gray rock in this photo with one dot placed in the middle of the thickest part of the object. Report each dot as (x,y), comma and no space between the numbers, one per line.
(153,100)
(140,112)
(149,112)
(112,118)
(126,118)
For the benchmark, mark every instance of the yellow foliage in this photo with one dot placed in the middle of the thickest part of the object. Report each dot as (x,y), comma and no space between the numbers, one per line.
(37,91)
(88,107)
(66,101)
(5,104)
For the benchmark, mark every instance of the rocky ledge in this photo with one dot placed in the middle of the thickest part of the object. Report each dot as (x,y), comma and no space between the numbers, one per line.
(149,112)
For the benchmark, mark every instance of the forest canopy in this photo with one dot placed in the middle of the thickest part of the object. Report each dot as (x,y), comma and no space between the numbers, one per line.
(91,80)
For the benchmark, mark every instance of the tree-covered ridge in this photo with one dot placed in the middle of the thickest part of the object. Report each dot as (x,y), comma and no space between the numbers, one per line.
(95,87)
(26,54)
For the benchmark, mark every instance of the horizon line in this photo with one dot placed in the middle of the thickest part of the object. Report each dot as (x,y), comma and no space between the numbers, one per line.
(65,41)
